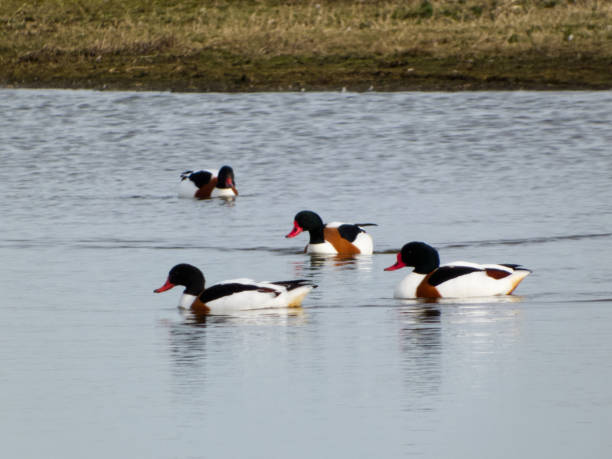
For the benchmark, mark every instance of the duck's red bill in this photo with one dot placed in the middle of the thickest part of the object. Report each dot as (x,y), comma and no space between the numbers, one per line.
(295,231)
(398,264)
(167,286)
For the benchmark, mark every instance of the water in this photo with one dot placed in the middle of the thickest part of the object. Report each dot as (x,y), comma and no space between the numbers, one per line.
(94,364)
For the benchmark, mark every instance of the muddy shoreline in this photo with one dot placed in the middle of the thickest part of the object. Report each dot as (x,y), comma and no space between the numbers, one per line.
(202,74)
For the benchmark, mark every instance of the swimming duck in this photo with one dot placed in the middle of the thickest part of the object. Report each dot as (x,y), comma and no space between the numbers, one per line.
(233,295)
(208,183)
(459,279)
(332,238)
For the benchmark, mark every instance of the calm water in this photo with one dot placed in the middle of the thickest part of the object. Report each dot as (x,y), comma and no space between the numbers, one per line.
(93,364)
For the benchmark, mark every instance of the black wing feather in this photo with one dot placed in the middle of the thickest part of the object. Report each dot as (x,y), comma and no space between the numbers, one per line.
(200,178)
(293,284)
(444,273)
(220,290)
(349,232)
(512,266)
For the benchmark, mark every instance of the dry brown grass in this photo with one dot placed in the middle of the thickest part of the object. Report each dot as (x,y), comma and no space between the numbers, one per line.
(259,30)
(271,28)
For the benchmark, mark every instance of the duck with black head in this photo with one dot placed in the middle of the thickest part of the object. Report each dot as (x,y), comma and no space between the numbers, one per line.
(459,279)
(204,183)
(333,238)
(233,295)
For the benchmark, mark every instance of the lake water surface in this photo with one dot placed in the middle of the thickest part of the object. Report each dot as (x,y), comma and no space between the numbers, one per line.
(93,364)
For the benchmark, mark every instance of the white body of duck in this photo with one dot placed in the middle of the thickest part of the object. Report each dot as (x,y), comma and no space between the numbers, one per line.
(333,238)
(208,183)
(233,295)
(460,279)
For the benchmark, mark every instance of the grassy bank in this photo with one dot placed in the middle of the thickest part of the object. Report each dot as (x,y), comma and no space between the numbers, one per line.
(250,45)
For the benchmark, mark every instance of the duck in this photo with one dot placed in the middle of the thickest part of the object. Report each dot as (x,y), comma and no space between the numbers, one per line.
(459,279)
(333,238)
(233,295)
(204,183)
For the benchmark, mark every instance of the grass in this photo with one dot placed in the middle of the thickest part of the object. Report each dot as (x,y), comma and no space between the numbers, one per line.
(250,45)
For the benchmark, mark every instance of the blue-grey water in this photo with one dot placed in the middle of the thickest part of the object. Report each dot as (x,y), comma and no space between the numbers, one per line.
(93,364)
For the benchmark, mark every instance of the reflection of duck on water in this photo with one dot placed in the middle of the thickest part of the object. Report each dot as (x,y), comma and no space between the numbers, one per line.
(355,262)
(421,345)
(281,317)
(315,266)
(233,295)
(188,340)
(187,343)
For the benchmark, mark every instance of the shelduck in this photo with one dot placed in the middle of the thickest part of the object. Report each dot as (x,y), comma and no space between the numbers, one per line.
(233,295)
(332,238)
(208,183)
(459,279)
